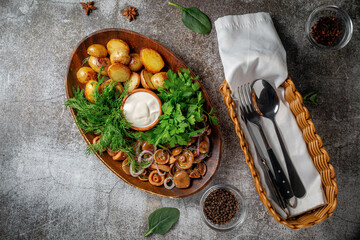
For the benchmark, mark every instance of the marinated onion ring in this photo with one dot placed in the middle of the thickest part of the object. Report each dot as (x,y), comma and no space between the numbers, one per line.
(166,183)
(135,174)
(158,170)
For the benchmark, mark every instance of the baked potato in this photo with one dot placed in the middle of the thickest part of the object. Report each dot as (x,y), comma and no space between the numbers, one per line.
(120,56)
(119,72)
(145,78)
(158,79)
(118,87)
(97,50)
(133,82)
(89,90)
(117,44)
(151,60)
(96,63)
(85,74)
(135,62)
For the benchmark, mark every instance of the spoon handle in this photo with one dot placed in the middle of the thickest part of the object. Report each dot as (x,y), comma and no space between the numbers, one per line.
(295,181)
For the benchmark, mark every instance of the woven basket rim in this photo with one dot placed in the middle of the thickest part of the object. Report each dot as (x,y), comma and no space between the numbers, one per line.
(316,150)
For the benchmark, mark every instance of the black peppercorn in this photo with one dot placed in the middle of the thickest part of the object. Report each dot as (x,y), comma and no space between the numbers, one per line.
(220,206)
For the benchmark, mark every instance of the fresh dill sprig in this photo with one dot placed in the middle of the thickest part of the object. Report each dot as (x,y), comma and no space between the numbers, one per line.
(104,117)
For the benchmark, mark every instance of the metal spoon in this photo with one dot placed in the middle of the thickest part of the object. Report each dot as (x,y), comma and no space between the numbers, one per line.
(266,101)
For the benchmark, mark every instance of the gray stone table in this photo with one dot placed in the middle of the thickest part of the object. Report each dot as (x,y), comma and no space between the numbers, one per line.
(49,189)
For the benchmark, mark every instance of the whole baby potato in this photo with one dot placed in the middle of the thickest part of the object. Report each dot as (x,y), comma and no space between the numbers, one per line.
(133,82)
(145,78)
(118,87)
(96,63)
(89,90)
(120,56)
(117,44)
(151,60)
(85,74)
(158,79)
(97,50)
(135,62)
(119,72)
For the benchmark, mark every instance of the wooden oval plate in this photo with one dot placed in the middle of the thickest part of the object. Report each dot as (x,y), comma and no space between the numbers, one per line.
(136,42)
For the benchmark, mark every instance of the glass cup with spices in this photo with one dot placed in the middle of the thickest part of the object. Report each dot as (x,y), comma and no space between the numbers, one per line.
(329,28)
(223,207)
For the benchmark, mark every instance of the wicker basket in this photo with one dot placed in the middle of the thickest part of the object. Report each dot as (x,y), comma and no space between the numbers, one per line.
(316,149)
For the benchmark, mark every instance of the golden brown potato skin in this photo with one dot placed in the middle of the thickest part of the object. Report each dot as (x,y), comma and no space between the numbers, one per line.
(96,63)
(89,90)
(120,56)
(151,60)
(117,44)
(119,72)
(133,82)
(158,79)
(97,50)
(85,74)
(118,87)
(145,77)
(135,62)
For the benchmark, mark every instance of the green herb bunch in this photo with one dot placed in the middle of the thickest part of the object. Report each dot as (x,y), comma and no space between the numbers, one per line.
(104,117)
(183,107)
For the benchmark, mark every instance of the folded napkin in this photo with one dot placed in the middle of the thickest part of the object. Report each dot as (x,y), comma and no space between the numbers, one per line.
(250,49)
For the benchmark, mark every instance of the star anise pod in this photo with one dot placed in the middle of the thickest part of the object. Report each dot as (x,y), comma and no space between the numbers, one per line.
(88,6)
(130,13)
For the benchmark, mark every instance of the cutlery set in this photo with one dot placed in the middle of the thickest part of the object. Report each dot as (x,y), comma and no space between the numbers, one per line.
(258,100)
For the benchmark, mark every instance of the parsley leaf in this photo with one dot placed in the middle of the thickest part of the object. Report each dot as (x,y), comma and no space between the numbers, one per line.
(182,109)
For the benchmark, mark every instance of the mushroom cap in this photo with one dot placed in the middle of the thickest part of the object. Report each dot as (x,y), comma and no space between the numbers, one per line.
(126,168)
(161,156)
(182,179)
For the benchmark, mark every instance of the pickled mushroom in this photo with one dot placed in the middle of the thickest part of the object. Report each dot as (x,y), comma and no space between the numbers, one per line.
(182,179)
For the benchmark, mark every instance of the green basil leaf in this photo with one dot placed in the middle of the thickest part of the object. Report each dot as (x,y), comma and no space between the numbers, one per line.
(312,98)
(161,220)
(194,19)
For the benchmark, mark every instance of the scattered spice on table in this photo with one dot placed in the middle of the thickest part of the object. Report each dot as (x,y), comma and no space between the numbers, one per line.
(220,206)
(88,6)
(130,13)
(327,31)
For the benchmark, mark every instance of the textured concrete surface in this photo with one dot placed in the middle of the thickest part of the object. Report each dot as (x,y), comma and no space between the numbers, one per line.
(49,189)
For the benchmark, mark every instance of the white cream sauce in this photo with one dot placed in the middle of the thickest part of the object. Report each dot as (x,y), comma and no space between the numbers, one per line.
(141,109)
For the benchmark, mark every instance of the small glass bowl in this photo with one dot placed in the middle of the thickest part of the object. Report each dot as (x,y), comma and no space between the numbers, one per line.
(241,213)
(340,15)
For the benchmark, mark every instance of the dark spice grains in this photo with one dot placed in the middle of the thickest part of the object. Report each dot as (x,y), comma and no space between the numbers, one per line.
(220,206)
(327,31)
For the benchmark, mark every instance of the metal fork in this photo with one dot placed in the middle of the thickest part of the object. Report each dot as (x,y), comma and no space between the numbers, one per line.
(250,114)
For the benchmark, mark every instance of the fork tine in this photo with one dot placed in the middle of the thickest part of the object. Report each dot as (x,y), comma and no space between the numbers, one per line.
(242,99)
(241,103)
(245,99)
(248,96)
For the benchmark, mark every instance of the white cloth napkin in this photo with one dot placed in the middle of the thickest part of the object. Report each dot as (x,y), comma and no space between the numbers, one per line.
(250,49)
